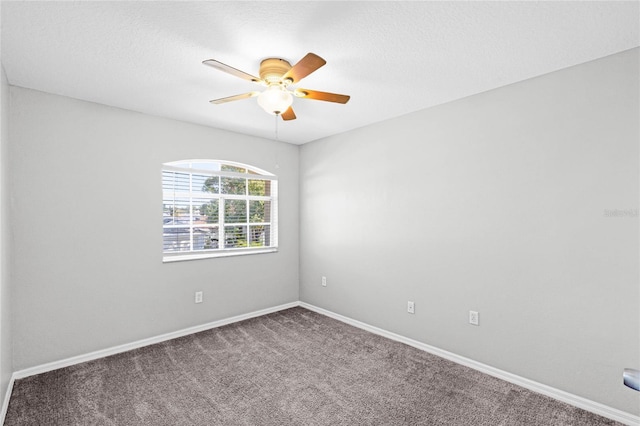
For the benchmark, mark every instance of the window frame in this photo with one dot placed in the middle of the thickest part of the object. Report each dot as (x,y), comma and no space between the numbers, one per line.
(194,199)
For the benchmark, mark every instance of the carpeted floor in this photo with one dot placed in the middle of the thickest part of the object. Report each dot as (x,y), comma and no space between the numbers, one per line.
(293,367)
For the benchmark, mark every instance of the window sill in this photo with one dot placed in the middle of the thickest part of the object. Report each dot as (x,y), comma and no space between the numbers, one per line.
(167,258)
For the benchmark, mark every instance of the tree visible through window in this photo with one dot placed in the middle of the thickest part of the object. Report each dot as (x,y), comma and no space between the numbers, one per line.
(217,207)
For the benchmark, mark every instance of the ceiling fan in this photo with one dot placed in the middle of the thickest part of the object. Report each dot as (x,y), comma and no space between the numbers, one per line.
(277,75)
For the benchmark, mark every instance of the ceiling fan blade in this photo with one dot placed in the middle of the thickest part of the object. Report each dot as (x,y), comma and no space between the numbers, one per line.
(231,70)
(322,96)
(304,67)
(234,98)
(288,114)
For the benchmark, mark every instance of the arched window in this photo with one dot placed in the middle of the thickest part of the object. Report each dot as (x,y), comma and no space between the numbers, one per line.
(214,208)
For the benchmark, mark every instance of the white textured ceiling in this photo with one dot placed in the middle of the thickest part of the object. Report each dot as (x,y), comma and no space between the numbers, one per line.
(391,57)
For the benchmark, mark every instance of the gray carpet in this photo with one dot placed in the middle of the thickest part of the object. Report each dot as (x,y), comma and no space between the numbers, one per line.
(293,367)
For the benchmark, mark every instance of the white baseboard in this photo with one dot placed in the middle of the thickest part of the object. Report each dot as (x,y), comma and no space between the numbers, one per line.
(7,397)
(576,401)
(21,374)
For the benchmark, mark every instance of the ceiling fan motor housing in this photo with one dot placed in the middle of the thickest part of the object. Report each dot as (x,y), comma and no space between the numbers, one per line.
(272,70)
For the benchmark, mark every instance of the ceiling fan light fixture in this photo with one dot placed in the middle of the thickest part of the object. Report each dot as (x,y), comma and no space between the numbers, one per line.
(275,100)
(278,75)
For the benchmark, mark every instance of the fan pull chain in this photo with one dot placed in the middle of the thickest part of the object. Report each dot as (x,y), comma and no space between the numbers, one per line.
(277,150)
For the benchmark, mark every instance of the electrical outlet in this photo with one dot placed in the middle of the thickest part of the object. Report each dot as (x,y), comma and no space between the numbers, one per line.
(474,318)
(411,308)
(324,281)
(198,297)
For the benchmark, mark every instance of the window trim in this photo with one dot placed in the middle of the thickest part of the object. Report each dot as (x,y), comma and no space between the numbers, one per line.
(252,173)
(207,254)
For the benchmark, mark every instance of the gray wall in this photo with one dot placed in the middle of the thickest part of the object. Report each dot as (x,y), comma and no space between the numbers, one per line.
(6,362)
(87,202)
(494,203)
